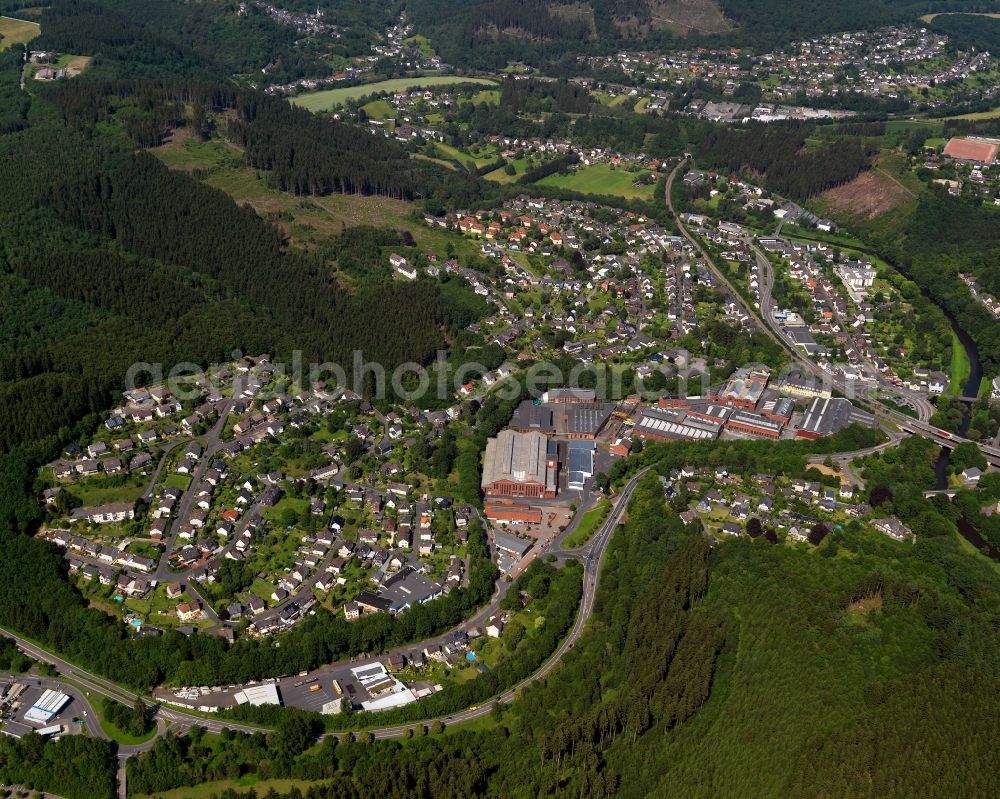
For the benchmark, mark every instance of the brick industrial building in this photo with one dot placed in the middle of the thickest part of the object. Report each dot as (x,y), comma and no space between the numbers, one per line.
(520,465)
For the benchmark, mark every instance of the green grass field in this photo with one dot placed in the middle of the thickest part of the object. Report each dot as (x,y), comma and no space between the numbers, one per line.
(17,31)
(588,525)
(488,96)
(520,167)
(243,784)
(422,43)
(181,481)
(993,113)
(960,367)
(331,98)
(91,492)
(602,179)
(378,109)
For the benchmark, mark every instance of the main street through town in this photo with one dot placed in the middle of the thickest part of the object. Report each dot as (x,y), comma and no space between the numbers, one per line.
(883,412)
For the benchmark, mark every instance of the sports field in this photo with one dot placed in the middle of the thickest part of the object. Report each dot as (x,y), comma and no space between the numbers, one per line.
(331,98)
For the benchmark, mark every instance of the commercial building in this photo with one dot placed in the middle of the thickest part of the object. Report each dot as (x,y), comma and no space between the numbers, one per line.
(579,463)
(754,424)
(670,425)
(520,465)
(825,416)
(569,395)
(256,695)
(46,707)
(509,512)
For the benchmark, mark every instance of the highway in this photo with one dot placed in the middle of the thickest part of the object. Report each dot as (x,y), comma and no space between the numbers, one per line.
(884,412)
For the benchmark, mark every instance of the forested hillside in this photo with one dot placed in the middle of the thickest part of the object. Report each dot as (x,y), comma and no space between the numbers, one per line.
(107,258)
(776,152)
(473,33)
(945,236)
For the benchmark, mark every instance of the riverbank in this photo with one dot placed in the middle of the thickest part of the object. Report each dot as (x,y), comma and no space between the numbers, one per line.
(961,367)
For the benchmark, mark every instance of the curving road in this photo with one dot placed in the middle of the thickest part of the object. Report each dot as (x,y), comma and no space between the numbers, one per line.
(591,555)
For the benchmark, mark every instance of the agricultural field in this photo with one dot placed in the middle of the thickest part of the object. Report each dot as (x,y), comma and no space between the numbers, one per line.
(16,31)
(331,98)
(601,179)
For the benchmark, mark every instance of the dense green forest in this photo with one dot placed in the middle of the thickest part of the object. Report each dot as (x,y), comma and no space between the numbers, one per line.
(776,151)
(946,235)
(966,32)
(74,766)
(172,38)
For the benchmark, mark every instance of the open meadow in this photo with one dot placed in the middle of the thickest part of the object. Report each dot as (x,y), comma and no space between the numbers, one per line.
(328,99)
(16,31)
(601,179)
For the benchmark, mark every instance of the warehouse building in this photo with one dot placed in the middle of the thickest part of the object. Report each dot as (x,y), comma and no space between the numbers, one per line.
(532,417)
(46,707)
(803,387)
(569,395)
(582,420)
(780,409)
(257,695)
(511,545)
(579,464)
(754,424)
(509,512)
(520,465)
(671,425)
(744,389)
(825,416)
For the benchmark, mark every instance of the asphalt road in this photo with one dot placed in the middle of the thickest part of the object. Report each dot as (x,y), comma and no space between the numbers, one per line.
(920,403)
(901,420)
(591,555)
